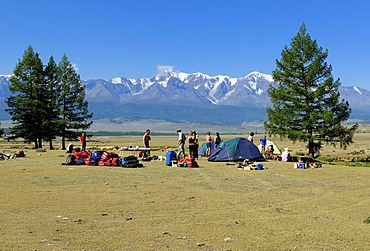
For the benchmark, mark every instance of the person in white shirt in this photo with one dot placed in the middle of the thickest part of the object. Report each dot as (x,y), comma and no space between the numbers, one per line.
(285,156)
(182,138)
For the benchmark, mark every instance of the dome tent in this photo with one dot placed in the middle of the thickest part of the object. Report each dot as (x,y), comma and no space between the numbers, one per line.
(202,150)
(271,143)
(237,149)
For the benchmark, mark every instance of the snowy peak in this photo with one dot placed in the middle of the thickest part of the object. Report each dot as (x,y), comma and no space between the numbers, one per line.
(257,76)
(7,77)
(357,89)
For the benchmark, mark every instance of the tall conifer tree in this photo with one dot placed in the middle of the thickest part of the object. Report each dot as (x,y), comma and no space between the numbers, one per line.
(74,108)
(51,102)
(25,105)
(306,103)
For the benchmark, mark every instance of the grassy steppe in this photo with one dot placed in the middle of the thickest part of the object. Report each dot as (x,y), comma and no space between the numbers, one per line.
(47,206)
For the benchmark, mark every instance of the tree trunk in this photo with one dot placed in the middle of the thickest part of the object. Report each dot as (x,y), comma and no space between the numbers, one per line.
(311,148)
(63,143)
(40,143)
(51,144)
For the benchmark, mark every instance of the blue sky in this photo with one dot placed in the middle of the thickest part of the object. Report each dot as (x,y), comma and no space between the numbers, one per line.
(132,38)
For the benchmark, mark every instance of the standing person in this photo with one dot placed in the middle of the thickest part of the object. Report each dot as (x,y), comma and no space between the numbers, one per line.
(196,144)
(209,143)
(263,141)
(191,142)
(146,139)
(217,139)
(250,137)
(181,140)
(83,141)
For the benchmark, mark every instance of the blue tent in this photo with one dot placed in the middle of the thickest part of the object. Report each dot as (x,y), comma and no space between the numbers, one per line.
(237,149)
(202,150)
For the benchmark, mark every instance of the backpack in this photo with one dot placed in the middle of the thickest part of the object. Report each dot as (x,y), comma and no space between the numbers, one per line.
(70,160)
(183,137)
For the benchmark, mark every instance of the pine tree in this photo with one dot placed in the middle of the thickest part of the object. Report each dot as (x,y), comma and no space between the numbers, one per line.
(74,108)
(306,103)
(25,106)
(51,102)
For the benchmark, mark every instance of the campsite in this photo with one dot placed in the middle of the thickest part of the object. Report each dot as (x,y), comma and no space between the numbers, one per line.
(216,206)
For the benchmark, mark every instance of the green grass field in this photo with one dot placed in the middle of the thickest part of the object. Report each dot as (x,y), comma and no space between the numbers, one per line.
(49,206)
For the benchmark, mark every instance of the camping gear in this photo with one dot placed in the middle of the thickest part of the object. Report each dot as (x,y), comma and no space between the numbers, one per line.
(237,149)
(315,164)
(71,160)
(255,166)
(80,162)
(81,154)
(300,165)
(109,159)
(259,166)
(187,162)
(130,162)
(96,155)
(109,162)
(170,155)
(108,155)
(148,158)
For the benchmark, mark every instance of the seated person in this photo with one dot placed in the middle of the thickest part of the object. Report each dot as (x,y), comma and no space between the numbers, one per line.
(8,156)
(285,156)
(269,152)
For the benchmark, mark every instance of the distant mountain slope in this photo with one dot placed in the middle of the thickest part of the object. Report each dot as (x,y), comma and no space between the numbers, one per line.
(174,96)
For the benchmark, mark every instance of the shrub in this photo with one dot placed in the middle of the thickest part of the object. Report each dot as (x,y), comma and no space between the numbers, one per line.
(367,221)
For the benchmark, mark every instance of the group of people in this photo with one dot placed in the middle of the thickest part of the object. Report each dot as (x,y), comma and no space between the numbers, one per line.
(193,143)
(268,150)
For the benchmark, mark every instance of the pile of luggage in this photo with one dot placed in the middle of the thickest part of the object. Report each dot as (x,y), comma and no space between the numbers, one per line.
(101,158)
(171,160)
(188,161)
(130,162)
(78,158)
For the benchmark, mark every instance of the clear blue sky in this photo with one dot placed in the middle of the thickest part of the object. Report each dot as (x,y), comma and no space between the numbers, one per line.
(131,38)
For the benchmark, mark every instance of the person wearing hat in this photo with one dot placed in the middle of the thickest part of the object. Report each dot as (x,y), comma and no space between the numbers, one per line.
(285,156)
(182,139)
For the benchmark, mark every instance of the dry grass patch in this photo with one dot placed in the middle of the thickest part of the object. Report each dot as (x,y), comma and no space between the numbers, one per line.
(47,206)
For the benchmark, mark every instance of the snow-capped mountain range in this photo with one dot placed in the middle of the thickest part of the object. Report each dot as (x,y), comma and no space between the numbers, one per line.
(178,96)
(172,86)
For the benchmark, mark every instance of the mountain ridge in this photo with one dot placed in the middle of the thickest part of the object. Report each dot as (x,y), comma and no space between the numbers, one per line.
(178,96)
